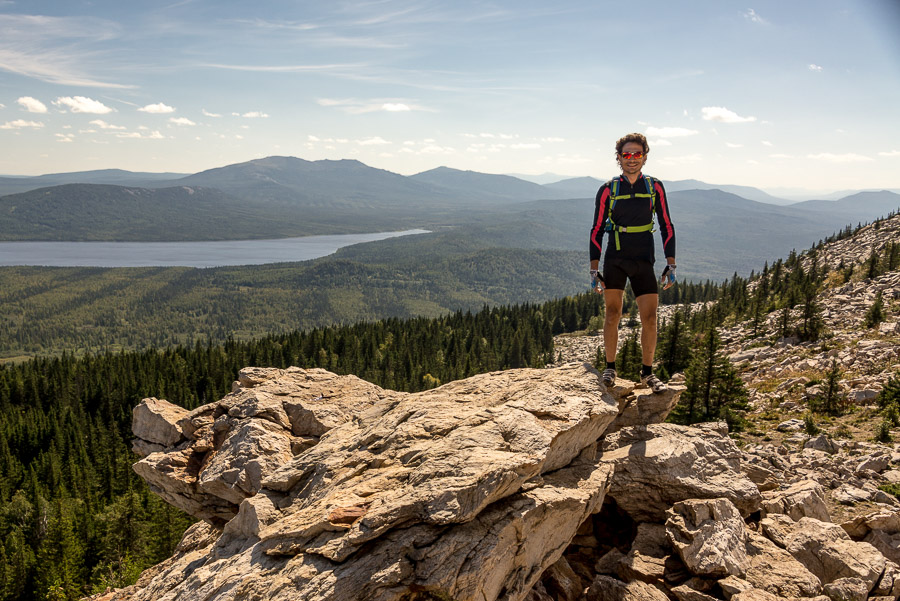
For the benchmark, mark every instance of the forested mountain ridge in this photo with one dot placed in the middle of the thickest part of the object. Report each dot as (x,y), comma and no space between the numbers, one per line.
(74,518)
(103,212)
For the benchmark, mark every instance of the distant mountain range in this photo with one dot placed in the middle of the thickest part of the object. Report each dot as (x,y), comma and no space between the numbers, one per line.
(720,229)
(293,180)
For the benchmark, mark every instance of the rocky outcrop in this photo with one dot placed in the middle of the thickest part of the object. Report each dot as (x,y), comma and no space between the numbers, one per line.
(519,485)
(318,486)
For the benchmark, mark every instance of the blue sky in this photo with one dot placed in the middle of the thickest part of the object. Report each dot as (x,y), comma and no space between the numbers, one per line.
(774,94)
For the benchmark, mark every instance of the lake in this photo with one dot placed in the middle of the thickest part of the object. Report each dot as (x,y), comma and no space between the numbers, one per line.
(189,254)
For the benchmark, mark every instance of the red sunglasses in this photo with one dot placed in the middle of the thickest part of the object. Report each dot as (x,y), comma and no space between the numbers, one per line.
(632,155)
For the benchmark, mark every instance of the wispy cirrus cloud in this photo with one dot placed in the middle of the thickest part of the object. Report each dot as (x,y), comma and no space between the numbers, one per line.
(61,50)
(890,153)
(754,17)
(723,115)
(330,68)
(82,104)
(206,113)
(816,68)
(32,105)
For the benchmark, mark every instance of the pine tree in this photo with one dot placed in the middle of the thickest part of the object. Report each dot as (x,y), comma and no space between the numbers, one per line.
(875,314)
(673,351)
(628,359)
(832,401)
(713,388)
(812,325)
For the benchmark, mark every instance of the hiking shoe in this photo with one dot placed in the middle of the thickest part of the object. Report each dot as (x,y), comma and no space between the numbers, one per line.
(653,383)
(608,376)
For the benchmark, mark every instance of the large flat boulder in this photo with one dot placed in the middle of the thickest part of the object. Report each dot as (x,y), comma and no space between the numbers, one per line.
(659,465)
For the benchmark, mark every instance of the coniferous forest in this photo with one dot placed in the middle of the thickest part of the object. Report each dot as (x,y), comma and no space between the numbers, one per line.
(74,518)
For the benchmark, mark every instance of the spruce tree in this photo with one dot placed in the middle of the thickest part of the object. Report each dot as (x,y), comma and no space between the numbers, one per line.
(875,314)
(628,358)
(673,351)
(812,325)
(713,388)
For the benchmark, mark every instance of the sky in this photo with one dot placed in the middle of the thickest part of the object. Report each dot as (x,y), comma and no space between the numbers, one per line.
(782,95)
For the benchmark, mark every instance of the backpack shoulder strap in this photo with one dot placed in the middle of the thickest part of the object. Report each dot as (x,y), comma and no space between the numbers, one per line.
(650,182)
(613,193)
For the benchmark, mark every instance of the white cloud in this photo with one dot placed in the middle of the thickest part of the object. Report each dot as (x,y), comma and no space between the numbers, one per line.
(356,106)
(840,158)
(255,115)
(104,125)
(181,121)
(723,115)
(732,145)
(815,67)
(552,139)
(32,105)
(136,135)
(376,141)
(206,113)
(525,146)
(659,142)
(313,139)
(157,109)
(671,132)
(766,143)
(20,123)
(64,137)
(81,104)
(754,17)
(892,153)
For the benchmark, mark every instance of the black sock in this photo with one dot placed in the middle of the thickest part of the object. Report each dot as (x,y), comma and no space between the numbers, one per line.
(646,370)
(610,365)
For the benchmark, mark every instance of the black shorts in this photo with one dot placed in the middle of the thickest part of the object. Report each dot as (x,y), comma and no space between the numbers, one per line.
(641,274)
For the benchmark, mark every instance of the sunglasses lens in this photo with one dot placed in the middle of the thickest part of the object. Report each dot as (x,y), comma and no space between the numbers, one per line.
(632,155)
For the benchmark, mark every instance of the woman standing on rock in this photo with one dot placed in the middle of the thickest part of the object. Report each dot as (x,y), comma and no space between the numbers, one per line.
(624,207)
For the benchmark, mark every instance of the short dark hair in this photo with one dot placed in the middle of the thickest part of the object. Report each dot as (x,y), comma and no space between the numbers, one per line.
(635,137)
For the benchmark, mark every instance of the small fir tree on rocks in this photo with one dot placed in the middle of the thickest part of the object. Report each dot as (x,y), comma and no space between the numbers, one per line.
(832,401)
(875,314)
(714,389)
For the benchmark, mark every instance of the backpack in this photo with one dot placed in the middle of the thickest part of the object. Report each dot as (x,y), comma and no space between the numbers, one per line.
(614,196)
